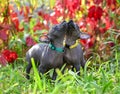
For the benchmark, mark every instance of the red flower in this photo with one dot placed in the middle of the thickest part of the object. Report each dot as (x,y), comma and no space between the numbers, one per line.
(10,56)
(82,24)
(13,56)
(111,2)
(97,1)
(15,20)
(25,10)
(95,12)
(72,6)
(107,24)
(38,26)
(111,44)
(92,23)
(29,41)
(40,13)
(102,30)
(16,16)
(53,18)
(6,52)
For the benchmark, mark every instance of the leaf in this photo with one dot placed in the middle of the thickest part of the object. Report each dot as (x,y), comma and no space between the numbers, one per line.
(52,3)
(98,1)
(118,1)
(107,84)
(32,23)
(36,74)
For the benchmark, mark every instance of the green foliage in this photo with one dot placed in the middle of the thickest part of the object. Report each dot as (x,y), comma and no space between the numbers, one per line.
(118,1)
(102,80)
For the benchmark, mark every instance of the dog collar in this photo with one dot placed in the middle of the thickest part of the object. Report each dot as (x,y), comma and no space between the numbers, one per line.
(72,46)
(56,48)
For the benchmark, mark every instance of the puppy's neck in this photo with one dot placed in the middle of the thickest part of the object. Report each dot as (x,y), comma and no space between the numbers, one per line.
(70,41)
(58,43)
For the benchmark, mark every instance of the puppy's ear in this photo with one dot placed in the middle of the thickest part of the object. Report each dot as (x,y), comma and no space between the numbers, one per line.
(63,21)
(70,22)
(44,39)
(84,36)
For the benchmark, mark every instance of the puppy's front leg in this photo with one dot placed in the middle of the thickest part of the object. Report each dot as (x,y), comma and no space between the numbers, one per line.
(42,69)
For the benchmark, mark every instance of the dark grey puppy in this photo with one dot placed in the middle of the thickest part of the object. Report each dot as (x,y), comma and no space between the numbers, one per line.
(73,54)
(50,55)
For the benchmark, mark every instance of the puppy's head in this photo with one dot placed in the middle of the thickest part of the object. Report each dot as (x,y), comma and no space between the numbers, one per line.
(74,31)
(55,32)
(58,31)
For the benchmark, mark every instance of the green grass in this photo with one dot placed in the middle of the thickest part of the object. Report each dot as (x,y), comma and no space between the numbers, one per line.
(102,80)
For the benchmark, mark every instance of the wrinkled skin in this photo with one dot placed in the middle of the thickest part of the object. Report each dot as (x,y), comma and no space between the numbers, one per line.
(43,55)
(74,56)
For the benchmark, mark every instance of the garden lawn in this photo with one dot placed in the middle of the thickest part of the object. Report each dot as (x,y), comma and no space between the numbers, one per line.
(102,80)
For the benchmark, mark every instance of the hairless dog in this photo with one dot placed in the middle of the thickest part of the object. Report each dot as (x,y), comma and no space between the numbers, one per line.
(48,55)
(73,54)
